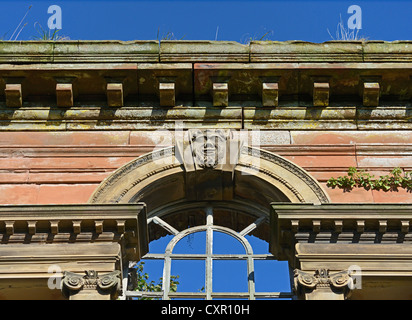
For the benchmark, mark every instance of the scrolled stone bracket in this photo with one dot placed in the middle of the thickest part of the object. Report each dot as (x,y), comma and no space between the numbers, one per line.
(336,283)
(106,284)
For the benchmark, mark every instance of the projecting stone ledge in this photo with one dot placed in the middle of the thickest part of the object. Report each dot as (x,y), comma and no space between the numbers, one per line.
(82,245)
(73,51)
(115,85)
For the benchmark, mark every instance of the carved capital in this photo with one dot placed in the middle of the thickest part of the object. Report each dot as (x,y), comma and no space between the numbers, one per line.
(108,283)
(339,282)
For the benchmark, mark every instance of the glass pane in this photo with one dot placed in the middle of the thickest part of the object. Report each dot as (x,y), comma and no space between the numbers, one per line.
(149,275)
(192,244)
(159,245)
(191,275)
(226,244)
(258,246)
(272,276)
(230,276)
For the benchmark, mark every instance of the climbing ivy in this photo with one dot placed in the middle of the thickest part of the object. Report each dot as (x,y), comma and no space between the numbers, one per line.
(397,178)
(140,282)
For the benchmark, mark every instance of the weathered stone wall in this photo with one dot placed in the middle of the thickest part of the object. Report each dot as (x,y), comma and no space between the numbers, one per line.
(66,167)
(59,151)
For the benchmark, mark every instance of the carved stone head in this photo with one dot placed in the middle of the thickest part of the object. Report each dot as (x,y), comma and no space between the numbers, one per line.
(208,147)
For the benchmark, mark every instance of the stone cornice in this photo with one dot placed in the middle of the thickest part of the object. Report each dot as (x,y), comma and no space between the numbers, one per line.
(114,85)
(331,223)
(125,224)
(142,117)
(78,51)
(73,51)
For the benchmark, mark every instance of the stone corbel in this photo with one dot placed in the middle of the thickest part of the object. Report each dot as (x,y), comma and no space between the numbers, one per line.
(321,91)
(167,91)
(64,92)
(220,91)
(322,285)
(114,92)
(91,285)
(405,225)
(9,227)
(14,92)
(371,91)
(270,91)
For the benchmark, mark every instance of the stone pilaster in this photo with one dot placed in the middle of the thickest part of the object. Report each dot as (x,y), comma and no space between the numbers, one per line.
(91,285)
(322,285)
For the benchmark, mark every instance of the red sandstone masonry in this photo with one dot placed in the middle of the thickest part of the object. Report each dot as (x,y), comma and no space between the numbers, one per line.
(350,137)
(85,138)
(357,195)
(46,194)
(66,194)
(66,167)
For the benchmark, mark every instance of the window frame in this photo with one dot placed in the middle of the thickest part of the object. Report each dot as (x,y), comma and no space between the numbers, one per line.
(208,257)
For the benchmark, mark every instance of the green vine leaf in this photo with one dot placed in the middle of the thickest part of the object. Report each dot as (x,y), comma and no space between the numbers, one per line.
(141,283)
(397,178)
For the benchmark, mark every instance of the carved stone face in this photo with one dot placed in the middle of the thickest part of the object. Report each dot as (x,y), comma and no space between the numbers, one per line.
(208,147)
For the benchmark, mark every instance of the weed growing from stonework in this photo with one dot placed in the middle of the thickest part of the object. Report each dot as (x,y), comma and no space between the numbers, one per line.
(169,35)
(346,34)
(18,29)
(43,34)
(48,35)
(140,282)
(361,179)
(247,38)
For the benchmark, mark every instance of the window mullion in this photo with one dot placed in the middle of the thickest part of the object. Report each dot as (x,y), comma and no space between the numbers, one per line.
(166,277)
(209,263)
(209,252)
(251,277)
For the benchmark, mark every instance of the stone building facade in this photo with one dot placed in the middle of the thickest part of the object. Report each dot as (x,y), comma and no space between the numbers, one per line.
(106,146)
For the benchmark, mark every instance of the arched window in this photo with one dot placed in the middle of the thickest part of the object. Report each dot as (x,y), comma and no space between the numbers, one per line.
(216,262)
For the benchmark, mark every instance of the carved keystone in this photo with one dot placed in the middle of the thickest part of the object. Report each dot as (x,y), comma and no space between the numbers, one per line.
(64,94)
(167,94)
(13,94)
(320,94)
(209,147)
(371,91)
(114,92)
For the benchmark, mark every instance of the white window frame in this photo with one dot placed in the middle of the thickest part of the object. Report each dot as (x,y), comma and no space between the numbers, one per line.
(208,257)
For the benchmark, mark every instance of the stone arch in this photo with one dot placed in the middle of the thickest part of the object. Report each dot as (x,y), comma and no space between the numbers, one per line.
(173,182)
(275,178)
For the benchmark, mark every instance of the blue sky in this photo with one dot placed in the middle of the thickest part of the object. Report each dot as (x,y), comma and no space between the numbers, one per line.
(228,275)
(208,20)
